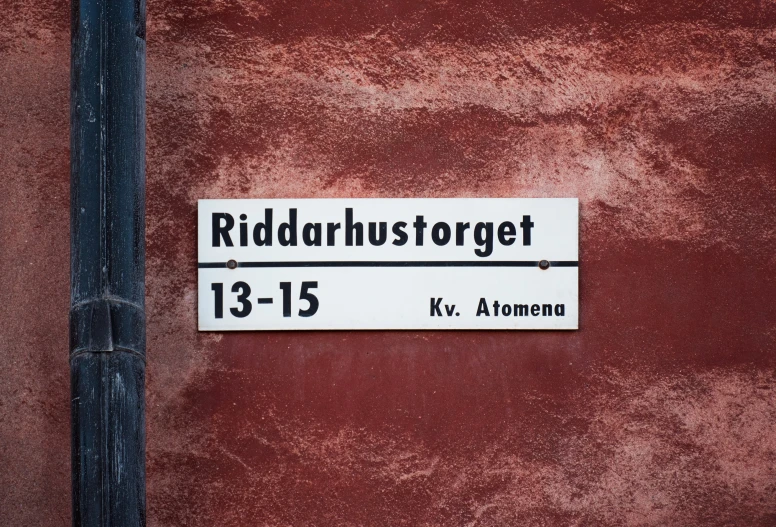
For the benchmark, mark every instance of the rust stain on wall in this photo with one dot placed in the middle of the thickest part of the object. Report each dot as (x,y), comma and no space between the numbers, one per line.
(659,116)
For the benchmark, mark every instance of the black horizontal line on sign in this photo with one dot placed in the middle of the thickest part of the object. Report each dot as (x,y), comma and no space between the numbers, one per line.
(513,263)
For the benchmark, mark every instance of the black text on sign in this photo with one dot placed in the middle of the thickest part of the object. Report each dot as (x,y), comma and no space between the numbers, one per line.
(291,264)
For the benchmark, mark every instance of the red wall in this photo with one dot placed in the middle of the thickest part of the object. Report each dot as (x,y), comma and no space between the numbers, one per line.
(659,116)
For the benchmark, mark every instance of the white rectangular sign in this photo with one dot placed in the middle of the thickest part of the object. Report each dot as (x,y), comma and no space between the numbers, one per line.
(281,264)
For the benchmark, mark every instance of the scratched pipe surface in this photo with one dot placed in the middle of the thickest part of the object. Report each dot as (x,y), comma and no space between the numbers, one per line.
(107,218)
(658,114)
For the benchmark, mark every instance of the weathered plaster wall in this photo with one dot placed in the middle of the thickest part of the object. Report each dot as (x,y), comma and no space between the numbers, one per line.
(659,116)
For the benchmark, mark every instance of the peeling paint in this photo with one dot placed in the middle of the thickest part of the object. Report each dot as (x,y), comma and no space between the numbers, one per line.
(659,116)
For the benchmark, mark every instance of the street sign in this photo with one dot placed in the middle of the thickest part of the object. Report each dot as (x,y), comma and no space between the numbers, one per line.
(304,264)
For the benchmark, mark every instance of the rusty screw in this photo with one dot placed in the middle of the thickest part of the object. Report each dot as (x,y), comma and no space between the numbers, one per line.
(544,265)
(232,264)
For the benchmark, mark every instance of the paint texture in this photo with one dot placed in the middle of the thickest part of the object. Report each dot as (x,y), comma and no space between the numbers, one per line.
(659,116)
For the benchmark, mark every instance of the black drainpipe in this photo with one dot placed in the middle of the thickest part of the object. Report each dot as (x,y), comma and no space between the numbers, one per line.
(107,262)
